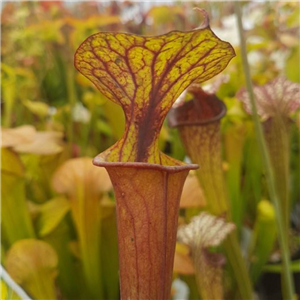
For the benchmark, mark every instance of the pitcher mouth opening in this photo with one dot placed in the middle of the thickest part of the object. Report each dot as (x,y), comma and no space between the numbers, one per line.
(179,116)
(99,162)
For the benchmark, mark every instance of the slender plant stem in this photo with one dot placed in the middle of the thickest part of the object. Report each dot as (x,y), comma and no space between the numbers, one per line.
(234,256)
(288,285)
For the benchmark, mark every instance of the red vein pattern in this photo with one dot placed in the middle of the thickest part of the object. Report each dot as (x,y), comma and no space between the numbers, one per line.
(145,75)
(147,227)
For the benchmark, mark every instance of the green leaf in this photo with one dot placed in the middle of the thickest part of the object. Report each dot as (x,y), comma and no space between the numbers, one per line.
(38,108)
(16,223)
(263,238)
(52,213)
(291,72)
(295,267)
(10,163)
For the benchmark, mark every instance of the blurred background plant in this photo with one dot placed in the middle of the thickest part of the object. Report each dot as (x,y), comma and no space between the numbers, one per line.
(53,117)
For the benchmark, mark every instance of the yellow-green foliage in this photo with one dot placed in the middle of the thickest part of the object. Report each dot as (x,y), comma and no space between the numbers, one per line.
(52,116)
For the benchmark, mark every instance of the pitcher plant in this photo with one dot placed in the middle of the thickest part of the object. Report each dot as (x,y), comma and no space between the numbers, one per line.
(145,75)
(198,121)
(275,101)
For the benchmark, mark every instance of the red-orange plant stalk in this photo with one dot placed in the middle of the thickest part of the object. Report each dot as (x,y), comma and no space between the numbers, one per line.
(145,75)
